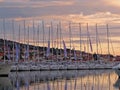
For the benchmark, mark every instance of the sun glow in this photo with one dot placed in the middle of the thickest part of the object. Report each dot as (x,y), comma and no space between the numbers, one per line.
(113,2)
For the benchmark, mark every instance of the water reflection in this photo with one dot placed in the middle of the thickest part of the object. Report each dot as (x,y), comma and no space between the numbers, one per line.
(5,83)
(117,83)
(61,80)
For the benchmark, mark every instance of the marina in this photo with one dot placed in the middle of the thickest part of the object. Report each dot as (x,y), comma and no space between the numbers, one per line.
(50,52)
(59,45)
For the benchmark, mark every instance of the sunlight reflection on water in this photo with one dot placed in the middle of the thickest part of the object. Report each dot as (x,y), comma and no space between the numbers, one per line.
(61,80)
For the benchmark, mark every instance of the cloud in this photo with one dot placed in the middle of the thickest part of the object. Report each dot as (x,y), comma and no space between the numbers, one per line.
(92,19)
(115,3)
(33,8)
(99,17)
(33,4)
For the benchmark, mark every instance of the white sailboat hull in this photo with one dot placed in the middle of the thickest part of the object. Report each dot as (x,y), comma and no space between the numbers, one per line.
(5,69)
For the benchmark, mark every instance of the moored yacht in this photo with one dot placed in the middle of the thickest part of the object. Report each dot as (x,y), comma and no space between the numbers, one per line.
(116,66)
(5,69)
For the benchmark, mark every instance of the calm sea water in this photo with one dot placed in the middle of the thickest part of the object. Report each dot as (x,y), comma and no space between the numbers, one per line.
(62,80)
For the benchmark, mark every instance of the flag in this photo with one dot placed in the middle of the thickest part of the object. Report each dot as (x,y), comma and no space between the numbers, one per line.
(48,49)
(65,51)
(17,51)
(90,45)
(75,57)
(27,52)
(8,49)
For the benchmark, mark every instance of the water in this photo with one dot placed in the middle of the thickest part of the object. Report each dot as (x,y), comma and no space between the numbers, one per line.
(61,80)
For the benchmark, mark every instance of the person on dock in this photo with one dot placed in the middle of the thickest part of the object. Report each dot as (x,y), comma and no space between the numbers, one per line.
(95,56)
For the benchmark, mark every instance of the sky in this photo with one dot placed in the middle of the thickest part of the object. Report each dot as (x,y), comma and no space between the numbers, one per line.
(38,8)
(101,12)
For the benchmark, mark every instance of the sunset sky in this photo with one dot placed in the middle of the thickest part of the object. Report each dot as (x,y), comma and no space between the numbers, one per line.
(38,8)
(101,12)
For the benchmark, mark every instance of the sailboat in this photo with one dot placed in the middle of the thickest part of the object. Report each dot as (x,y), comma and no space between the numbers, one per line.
(5,66)
(4,69)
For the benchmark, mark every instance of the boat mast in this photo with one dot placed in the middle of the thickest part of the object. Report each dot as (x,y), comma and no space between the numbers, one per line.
(33,40)
(108,42)
(80,40)
(19,42)
(43,39)
(96,39)
(4,38)
(70,38)
(99,42)
(24,40)
(49,35)
(38,42)
(112,46)
(48,48)
(57,42)
(60,37)
(13,40)
(52,37)
(28,45)
(19,33)
(87,42)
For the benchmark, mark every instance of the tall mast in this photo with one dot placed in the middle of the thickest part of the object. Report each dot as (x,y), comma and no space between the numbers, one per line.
(80,40)
(43,38)
(52,36)
(33,32)
(34,38)
(24,31)
(48,48)
(87,41)
(57,41)
(38,41)
(60,36)
(13,39)
(112,47)
(24,39)
(99,42)
(108,41)
(70,38)
(19,33)
(96,39)
(4,38)
(19,41)
(49,35)
(28,44)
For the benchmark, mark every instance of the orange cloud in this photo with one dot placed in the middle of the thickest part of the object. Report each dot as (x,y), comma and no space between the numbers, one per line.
(100,18)
(115,3)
